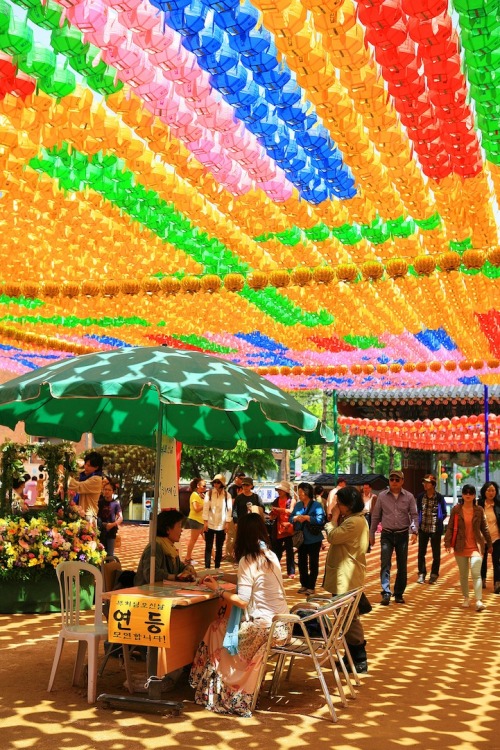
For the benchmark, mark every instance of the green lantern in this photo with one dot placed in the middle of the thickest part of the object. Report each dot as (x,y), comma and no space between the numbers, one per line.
(5,14)
(83,62)
(106,83)
(39,62)
(61,84)
(318,233)
(46,16)
(68,41)
(17,39)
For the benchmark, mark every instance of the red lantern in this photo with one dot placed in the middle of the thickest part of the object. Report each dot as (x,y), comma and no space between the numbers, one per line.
(430,32)
(424,9)
(379,16)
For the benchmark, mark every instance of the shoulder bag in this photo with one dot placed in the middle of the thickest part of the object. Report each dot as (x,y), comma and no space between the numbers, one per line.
(298,536)
(455,531)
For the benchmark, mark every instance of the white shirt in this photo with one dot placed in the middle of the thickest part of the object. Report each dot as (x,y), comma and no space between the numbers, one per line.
(331,501)
(217,509)
(261,586)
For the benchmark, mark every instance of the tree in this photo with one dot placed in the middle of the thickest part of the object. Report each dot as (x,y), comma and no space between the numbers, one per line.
(131,467)
(253,461)
(370,456)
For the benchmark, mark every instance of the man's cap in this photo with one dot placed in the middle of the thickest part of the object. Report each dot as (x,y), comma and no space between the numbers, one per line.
(398,474)
(239,474)
(429,478)
(247,480)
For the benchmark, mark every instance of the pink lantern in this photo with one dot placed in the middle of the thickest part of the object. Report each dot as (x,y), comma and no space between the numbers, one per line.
(123,5)
(90,15)
(155,40)
(139,18)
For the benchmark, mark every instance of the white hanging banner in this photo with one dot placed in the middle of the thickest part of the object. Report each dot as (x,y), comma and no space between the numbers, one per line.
(169,488)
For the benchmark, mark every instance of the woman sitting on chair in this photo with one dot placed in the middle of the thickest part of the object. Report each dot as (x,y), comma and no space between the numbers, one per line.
(225,672)
(168,566)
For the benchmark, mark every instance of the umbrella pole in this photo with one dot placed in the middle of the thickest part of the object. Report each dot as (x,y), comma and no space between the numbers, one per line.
(153,521)
(152,658)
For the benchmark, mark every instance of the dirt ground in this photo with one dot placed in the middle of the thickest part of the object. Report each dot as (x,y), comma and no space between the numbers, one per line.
(433,682)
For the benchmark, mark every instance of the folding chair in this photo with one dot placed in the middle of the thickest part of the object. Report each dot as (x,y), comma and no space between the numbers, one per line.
(321,651)
(340,643)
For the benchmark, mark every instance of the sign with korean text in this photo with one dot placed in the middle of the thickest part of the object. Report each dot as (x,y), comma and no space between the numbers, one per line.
(139,620)
(169,487)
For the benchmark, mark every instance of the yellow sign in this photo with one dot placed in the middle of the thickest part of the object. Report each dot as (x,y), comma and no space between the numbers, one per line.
(139,620)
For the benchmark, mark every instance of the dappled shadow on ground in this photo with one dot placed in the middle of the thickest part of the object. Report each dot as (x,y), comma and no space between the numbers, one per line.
(433,683)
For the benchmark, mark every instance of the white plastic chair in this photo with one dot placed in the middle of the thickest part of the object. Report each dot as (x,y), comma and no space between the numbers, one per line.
(72,627)
(330,620)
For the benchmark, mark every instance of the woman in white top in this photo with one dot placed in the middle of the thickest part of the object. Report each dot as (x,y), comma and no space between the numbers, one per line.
(217,513)
(228,660)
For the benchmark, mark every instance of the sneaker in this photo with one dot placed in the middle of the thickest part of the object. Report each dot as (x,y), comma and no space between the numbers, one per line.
(479,606)
(291,575)
(433,578)
(465,602)
(302,590)
(421,578)
(386,598)
(399,600)
(310,592)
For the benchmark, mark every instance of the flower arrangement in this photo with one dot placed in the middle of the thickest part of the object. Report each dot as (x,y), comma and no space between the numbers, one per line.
(37,544)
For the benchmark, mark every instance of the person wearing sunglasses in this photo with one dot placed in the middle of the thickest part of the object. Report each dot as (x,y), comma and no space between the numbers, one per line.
(467,535)
(396,509)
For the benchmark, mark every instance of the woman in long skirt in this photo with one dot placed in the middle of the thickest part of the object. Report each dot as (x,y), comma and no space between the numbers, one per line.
(226,666)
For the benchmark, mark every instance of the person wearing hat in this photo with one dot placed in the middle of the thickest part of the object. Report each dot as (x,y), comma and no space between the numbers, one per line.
(217,510)
(396,510)
(247,501)
(432,511)
(282,537)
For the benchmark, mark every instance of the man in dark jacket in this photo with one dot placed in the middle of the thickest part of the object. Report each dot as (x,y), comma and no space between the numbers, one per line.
(432,511)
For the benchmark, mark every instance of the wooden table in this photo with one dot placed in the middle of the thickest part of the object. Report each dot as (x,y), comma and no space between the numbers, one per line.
(191,615)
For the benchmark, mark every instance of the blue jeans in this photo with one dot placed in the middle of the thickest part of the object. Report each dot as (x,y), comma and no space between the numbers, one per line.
(390,541)
(423,541)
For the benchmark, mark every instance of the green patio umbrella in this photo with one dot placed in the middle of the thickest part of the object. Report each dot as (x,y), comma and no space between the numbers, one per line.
(127,395)
(134,395)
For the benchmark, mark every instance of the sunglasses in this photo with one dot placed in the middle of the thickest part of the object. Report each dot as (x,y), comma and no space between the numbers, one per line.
(395,479)
(468,493)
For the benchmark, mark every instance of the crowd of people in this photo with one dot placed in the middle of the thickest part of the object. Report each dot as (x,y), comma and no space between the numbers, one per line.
(348,521)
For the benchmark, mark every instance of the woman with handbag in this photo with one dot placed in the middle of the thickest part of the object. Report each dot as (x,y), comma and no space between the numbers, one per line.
(309,517)
(283,529)
(227,664)
(345,567)
(467,534)
(489,499)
